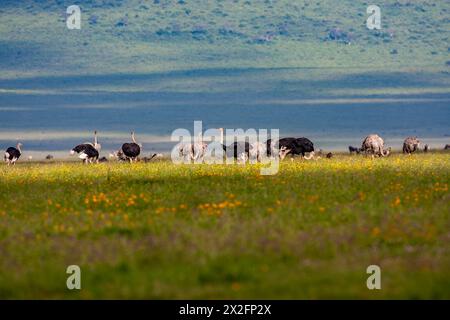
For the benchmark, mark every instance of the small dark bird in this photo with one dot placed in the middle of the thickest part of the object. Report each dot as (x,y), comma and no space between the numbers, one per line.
(447,147)
(426,148)
(13,154)
(103,159)
(329,155)
(49,157)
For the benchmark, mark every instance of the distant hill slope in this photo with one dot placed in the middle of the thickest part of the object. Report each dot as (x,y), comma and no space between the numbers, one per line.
(140,36)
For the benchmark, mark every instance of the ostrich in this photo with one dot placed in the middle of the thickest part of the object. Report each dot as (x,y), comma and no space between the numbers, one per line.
(353,150)
(154,156)
(305,146)
(193,151)
(411,145)
(186,151)
(199,149)
(283,152)
(130,151)
(257,149)
(88,152)
(297,146)
(13,154)
(374,144)
(284,142)
(236,149)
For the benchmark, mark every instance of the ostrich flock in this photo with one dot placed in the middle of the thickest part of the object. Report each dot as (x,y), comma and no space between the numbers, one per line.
(372,145)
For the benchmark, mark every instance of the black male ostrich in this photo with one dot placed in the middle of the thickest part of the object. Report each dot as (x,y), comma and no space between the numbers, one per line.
(297,146)
(88,152)
(13,154)
(304,145)
(131,151)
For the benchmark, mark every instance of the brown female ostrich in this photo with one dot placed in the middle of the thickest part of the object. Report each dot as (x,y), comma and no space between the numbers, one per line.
(411,145)
(374,145)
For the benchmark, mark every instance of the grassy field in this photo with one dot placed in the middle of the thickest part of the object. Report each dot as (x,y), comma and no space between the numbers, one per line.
(158,230)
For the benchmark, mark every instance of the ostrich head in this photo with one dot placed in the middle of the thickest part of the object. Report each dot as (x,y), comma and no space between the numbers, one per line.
(97,145)
(283,152)
(19,146)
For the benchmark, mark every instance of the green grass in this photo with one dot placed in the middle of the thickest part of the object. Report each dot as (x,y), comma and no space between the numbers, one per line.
(158,230)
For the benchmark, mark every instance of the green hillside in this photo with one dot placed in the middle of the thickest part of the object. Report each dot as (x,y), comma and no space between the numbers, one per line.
(140,36)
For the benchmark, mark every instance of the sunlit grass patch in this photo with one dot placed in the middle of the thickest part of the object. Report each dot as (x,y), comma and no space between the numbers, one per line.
(158,230)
